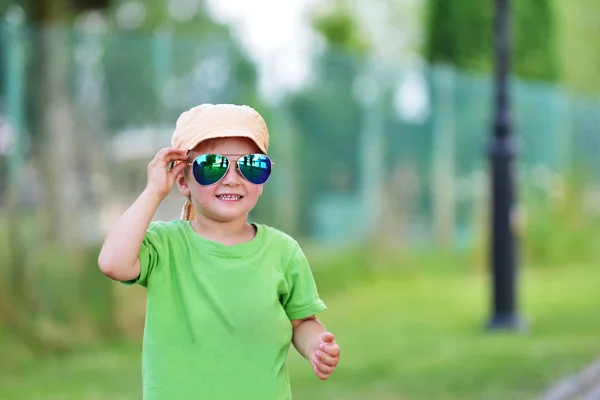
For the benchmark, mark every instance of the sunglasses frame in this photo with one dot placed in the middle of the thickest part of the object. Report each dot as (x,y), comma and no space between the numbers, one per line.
(229,162)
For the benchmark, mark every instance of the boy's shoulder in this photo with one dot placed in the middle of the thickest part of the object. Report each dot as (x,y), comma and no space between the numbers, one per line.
(161,230)
(278,235)
(165,226)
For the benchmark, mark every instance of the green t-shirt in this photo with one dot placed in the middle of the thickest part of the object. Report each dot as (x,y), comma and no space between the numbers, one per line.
(218,317)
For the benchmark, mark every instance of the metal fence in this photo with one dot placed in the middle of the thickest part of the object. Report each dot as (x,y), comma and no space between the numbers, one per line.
(368,150)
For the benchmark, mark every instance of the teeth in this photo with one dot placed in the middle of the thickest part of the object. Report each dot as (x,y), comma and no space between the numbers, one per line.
(229,197)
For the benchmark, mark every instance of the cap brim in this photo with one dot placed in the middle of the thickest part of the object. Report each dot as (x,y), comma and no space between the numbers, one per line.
(225,133)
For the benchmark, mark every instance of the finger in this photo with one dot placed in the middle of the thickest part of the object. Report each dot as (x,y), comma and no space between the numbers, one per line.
(325,369)
(327,359)
(170,160)
(333,350)
(176,156)
(176,170)
(327,337)
(168,154)
(319,374)
(168,150)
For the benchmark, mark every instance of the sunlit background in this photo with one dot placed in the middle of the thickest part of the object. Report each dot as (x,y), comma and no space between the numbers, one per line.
(380,115)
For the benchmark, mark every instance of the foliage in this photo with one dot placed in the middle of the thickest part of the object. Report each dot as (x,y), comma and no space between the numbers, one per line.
(461,33)
(42,12)
(559,228)
(555,225)
(577,22)
(534,38)
(157,18)
(54,298)
(338,26)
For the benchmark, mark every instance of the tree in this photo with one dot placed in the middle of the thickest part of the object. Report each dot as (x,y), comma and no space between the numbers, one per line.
(578,22)
(54,115)
(339,28)
(460,33)
(51,123)
(534,40)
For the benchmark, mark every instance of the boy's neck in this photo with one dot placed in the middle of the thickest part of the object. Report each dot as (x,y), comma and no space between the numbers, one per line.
(227,233)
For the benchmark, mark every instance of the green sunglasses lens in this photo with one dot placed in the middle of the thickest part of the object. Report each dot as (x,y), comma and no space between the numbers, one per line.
(208,169)
(256,168)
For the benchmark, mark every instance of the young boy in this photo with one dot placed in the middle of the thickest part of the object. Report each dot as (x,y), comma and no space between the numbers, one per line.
(224,297)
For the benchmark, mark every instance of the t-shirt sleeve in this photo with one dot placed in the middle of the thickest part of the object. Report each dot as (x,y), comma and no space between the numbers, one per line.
(302,300)
(148,255)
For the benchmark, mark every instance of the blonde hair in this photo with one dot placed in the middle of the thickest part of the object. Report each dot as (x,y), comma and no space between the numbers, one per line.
(188,212)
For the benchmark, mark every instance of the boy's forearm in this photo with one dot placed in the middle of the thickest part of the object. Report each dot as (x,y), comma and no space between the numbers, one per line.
(306,335)
(119,254)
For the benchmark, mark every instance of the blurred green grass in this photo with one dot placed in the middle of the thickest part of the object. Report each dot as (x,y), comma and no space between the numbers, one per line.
(409,334)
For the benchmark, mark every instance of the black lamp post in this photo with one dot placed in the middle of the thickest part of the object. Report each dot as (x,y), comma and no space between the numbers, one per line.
(502,156)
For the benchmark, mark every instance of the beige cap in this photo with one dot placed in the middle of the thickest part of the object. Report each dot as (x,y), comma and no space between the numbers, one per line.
(209,121)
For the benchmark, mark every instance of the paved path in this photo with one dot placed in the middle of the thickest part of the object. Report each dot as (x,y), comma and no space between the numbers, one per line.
(582,386)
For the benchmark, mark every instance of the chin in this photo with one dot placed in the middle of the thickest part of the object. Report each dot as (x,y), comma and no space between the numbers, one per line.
(227,212)
(229,217)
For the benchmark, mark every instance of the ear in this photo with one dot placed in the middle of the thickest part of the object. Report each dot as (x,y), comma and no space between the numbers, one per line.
(182,184)
(260,190)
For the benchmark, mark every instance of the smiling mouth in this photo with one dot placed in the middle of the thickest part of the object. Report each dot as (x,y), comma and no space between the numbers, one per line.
(229,197)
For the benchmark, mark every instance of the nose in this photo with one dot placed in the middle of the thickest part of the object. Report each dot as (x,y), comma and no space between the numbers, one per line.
(232,177)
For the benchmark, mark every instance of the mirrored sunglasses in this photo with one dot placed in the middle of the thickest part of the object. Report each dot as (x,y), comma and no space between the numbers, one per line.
(209,169)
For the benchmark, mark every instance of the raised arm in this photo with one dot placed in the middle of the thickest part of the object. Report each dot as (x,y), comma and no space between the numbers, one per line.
(118,257)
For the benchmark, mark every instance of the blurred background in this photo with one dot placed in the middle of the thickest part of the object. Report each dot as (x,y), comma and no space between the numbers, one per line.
(381,115)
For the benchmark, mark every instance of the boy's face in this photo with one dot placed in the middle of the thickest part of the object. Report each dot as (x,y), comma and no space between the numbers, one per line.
(233,197)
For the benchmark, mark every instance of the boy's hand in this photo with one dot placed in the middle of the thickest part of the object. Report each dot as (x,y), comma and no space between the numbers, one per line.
(326,355)
(159,179)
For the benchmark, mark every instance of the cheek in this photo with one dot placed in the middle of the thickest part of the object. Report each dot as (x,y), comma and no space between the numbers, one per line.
(202,194)
(255,191)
